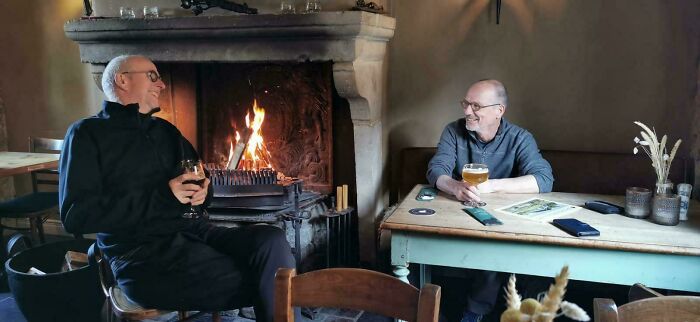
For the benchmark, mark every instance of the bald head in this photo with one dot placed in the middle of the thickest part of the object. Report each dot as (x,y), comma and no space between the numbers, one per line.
(133,80)
(115,66)
(495,88)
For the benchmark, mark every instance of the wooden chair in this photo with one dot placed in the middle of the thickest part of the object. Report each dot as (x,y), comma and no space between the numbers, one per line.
(640,291)
(645,305)
(119,305)
(359,289)
(38,205)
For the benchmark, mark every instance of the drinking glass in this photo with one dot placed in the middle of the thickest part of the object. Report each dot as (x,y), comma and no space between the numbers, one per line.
(287,6)
(150,12)
(127,13)
(313,6)
(684,191)
(195,167)
(637,202)
(474,174)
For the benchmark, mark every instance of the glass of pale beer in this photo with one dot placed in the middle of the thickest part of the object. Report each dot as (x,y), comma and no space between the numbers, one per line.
(474,174)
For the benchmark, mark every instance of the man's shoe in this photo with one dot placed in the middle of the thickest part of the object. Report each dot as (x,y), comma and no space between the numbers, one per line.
(469,316)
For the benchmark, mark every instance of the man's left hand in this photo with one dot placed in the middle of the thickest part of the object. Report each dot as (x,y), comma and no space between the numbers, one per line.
(201,195)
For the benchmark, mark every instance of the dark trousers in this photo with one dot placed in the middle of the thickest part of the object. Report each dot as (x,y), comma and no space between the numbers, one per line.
(207,268)
(483,294)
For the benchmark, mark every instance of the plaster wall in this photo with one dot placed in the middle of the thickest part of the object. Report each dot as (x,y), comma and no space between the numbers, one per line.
(578,72)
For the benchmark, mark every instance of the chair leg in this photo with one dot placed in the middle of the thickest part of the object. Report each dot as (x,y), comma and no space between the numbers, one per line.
(32,229)
(216,316)
(3,245)
(40,229)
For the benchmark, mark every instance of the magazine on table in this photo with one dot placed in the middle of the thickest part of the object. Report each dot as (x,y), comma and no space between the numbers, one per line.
(538,209)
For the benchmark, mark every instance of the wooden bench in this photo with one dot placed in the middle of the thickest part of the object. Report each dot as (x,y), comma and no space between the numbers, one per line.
(574,171)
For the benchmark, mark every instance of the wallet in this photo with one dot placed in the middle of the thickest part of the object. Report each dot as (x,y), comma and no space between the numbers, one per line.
(604,207)
(575,227)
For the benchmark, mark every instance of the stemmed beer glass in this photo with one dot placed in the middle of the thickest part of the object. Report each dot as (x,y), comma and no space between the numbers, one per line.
(474,174)
(195,167)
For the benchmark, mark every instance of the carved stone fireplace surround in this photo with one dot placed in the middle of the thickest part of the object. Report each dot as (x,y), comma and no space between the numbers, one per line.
(355,42)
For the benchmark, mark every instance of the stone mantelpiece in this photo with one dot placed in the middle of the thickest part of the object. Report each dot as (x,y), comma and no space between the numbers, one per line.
(354,41)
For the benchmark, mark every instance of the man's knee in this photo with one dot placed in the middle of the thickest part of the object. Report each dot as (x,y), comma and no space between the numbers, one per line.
(269,236)
(273,241)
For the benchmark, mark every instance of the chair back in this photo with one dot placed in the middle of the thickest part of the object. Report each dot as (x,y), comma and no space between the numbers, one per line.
(359,289)
(44,145)
(665,308)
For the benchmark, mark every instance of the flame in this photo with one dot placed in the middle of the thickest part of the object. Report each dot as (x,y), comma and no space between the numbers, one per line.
(256,156)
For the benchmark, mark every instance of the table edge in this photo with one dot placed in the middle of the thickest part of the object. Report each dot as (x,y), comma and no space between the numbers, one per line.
(547,240)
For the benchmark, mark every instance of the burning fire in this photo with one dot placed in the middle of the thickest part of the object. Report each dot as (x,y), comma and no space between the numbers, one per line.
(255,156)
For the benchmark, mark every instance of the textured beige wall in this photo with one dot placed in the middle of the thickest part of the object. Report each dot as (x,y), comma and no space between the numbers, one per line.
(42,82)
(578,72)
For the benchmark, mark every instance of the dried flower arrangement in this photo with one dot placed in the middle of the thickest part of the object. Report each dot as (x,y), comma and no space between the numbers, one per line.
(544,310)
(656,150)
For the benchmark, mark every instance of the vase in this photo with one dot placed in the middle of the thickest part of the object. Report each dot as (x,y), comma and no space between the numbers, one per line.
(664,188)
(665,209)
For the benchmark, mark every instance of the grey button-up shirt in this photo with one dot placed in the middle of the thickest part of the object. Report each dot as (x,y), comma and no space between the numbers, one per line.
(512,153)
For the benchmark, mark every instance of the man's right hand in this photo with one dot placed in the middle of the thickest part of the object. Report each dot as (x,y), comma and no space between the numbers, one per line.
(184,191)
(461,190)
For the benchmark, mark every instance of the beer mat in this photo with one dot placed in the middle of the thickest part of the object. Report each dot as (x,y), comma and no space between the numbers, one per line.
(421,211)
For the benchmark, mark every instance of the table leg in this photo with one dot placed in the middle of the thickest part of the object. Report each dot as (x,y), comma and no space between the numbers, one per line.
(425,275)
(401,272)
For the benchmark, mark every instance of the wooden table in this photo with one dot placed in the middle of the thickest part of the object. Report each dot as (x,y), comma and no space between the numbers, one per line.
(626,252)
(12,163)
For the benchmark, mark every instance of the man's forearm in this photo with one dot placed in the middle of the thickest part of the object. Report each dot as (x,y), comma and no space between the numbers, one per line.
(445,184)
(524,184)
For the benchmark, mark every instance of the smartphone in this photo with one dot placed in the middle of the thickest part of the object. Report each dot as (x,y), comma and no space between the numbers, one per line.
(575,227)
(482,216)
(426,194)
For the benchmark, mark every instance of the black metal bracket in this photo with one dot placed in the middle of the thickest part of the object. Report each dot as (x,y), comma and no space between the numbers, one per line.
(369,7)
(88,8)
(498,12)
(198,6)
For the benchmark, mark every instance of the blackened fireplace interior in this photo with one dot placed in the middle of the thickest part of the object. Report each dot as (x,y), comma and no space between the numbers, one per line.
(307,132)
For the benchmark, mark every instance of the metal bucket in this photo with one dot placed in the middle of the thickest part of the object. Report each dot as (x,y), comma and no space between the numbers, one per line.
(57,296)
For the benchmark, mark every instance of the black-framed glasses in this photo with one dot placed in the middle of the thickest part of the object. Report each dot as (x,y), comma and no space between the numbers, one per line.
(151,74)
(475,106)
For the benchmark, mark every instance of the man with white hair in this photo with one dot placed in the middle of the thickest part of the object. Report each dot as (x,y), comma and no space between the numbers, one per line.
(514,163)
(120,177)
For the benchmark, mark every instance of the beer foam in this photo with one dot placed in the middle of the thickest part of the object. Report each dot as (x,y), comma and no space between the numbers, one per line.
(475,171)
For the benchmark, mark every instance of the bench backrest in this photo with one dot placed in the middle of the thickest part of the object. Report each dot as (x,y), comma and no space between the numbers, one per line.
(585,172)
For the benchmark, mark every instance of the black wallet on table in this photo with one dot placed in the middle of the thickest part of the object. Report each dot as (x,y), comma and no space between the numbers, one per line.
(604,207)
(575,227)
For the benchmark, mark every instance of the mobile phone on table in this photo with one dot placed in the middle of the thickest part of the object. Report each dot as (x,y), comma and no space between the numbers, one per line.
(482,216)
(426,194)
(575,227)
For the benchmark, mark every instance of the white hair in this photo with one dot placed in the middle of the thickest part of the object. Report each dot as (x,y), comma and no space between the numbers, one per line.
(109,83)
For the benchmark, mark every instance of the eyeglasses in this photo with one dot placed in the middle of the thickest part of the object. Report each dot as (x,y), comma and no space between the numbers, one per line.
(151,74)
(475,106)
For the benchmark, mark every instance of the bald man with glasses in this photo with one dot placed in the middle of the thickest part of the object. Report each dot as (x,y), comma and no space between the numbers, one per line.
(120,177)
(513,159)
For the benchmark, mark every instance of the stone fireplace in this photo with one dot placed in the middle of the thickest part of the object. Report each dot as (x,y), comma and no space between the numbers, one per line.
(346,50)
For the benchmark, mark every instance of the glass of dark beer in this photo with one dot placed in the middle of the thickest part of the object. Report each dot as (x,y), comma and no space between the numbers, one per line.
(196,167)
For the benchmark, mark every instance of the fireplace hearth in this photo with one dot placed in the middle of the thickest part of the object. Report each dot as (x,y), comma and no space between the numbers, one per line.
(351,44)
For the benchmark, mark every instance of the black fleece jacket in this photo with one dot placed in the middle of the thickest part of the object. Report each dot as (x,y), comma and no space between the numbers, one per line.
(114,173)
